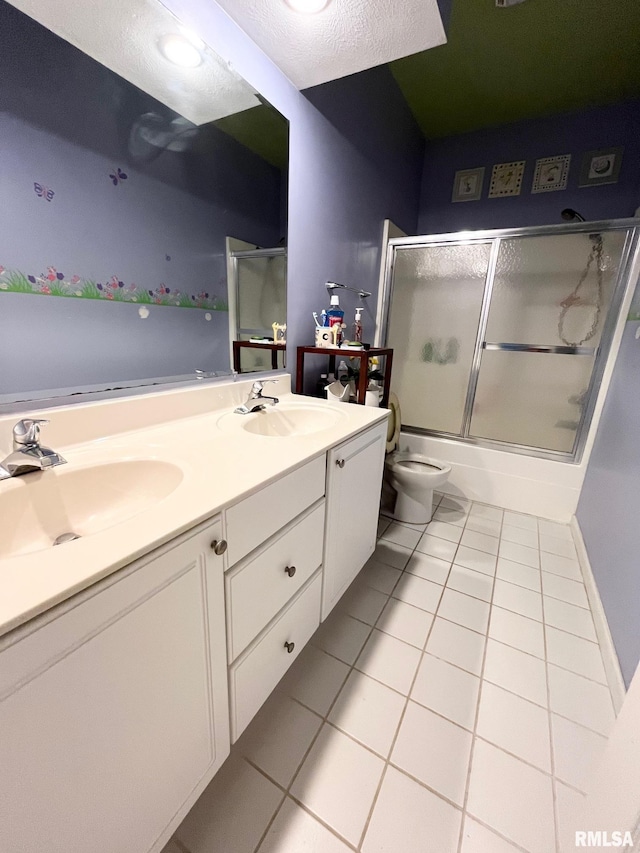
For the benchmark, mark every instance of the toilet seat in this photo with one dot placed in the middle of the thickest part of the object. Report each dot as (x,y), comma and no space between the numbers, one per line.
(415,466)
(394,423)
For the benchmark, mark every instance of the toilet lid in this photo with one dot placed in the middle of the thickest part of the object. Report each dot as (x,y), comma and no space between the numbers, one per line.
(393,424)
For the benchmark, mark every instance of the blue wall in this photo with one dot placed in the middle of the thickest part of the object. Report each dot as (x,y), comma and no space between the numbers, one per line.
(573,133)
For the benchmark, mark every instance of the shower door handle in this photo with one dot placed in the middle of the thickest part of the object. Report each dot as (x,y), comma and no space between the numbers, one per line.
(539,348)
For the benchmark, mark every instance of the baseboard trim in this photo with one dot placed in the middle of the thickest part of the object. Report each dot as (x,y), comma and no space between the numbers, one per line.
(609,655)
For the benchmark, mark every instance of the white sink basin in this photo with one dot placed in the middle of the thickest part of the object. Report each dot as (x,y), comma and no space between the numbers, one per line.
(284,420)
(37,508)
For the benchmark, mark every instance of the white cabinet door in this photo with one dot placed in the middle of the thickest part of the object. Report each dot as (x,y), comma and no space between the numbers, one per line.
(354,481)
(114,713)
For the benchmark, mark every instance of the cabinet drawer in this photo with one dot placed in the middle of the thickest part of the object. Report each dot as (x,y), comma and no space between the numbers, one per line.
(253,677)
(255,519)
(258,588)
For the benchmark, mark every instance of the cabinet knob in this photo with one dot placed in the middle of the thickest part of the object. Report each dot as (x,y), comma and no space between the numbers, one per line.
(290,570)
(340,463)
(289,647)
(219,546)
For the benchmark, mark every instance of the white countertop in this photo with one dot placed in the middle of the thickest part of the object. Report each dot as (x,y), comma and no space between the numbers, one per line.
(219,466)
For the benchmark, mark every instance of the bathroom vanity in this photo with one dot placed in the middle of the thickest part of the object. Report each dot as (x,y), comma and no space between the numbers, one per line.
(132,656)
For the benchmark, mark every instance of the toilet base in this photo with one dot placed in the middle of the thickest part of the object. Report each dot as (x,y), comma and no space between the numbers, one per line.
(414,512)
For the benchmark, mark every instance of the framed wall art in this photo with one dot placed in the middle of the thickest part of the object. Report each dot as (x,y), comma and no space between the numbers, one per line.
(551,174)
(601,167)
(467,185)
(506,179)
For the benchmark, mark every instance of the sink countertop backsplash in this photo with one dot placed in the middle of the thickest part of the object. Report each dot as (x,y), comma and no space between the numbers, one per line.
(179,426)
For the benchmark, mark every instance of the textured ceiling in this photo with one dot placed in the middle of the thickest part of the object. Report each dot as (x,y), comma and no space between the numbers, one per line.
(347,37)
(123,36)
(535,59)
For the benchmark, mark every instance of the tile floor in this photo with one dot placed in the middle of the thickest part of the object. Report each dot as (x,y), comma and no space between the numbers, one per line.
(452,703)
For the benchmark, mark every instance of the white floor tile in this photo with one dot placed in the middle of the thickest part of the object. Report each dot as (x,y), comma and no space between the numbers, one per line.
(436,547)
(295,830)
(427,567)
(518,726)
(233,812)
(492,513)
(524,601)
(433,750)
(517,519)
(406,622)
(516,671)
(401,535)
(575,751)
(383,523)
(568,617)
(566,567)
(517,631)
(554,528)
(342,636)
(362,602)
(391,554)
(576,654)
(477,839)
(480,541)
(520,535)
(278,737)
(445,531)
(511,797)
(564,589)
(419,592)
(410,819)
(479,561)
(389,660)
(483,525)
(562,547)
(580,700)
(467,611)
(457,644)
(470,582)
(520,554)
(569,804)
(338,782)
(380,577)
(447,690)
(450,515)
(314,679)
(456,502)
(368,711)
(519,574)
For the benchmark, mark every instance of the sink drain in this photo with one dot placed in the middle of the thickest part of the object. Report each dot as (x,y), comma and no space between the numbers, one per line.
(65,537)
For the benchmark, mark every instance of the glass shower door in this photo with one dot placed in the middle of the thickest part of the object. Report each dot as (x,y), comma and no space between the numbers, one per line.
(549,304)
(433,325)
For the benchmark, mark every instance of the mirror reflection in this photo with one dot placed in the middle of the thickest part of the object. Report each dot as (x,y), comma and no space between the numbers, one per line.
(139,241)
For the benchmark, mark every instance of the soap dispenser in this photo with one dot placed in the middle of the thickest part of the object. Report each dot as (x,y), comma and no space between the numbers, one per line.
(357,326)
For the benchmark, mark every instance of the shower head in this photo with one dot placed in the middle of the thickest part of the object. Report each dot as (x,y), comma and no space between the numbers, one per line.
(572,215)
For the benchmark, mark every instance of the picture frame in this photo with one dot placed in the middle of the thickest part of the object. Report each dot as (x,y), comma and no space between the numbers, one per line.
(601,167)
(551,174)
(467,184)
(506,179)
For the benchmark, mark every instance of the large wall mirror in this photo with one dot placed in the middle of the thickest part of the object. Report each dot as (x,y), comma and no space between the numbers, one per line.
(144,203)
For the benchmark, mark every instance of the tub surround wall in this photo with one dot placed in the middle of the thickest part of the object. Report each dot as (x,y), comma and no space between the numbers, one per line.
(572,133)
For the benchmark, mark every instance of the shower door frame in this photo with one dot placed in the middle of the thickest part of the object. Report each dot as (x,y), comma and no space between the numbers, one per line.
(494,237)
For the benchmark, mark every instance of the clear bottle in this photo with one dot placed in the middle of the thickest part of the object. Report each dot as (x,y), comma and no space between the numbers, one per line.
(357,326)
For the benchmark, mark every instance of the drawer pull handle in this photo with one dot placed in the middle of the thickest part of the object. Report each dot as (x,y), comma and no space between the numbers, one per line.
(219,546)
(289,647)
(340,463)
(290,570)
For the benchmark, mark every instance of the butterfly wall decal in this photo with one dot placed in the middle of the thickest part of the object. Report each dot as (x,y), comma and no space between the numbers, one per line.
(117,175)
(42,191)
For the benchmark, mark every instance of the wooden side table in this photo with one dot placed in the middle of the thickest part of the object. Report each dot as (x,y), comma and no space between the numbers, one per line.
(238,346)
(363,379)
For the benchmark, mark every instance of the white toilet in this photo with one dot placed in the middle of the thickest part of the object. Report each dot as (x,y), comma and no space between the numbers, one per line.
(412,475)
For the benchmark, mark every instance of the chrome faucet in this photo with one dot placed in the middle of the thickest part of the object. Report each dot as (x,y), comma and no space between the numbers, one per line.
(28,454)
(256,400)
